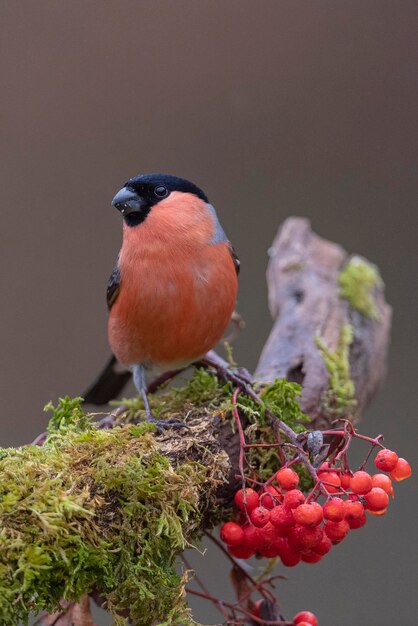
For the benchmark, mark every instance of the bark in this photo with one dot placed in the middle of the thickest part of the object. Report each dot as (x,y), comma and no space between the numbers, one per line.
(304,302)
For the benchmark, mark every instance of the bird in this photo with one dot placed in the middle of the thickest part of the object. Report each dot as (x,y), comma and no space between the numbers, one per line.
(173,289)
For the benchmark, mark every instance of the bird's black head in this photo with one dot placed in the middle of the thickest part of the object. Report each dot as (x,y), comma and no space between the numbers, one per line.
(139,194)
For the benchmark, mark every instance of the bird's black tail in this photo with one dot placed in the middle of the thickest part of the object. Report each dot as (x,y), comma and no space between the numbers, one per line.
(108,385)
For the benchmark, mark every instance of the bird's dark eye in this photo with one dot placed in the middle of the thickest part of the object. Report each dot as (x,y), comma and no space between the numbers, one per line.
(161,191)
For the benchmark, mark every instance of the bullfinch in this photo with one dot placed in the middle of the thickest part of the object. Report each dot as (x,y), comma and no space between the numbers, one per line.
(173,289)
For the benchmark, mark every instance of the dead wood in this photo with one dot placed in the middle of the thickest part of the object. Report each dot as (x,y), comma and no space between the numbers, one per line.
(304,301)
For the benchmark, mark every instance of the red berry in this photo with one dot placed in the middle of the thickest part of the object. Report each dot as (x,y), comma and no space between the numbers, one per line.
(282,518)
(379,512)
(241,552)
(274,548)
(384,482)
(232,534)
(334,509)
(308,514)
(325,467)
(401,471)
(386,460)
(289,557)
(311,537)
(311,556)
(252,537)
(293,538)
(345,478)
(287,478)
(336,531)
(267,534)
(331,481)
(278,546)
(361,482)
(260,516)
(305,616)
(246,499)
(353,509)
(255,610)
(268,551)
(271,497)
(324,547)
(293,499)
(376,499)
(303,538)
(357,522)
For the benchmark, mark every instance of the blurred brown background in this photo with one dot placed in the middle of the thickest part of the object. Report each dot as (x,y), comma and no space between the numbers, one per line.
(274,108)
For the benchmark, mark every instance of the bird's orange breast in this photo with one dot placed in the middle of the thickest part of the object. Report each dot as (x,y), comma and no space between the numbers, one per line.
(177,290)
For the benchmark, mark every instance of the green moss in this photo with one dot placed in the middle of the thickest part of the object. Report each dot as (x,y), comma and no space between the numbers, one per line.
(67,416)
(281,399)
(95,508)
(357,282)
(202,393)
(339,400)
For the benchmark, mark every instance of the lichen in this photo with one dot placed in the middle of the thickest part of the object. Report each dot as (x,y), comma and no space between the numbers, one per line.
(357,282)
(339,399)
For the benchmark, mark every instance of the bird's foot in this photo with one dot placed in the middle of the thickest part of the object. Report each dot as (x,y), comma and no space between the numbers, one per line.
(162,425)
(238,376)
(242,374)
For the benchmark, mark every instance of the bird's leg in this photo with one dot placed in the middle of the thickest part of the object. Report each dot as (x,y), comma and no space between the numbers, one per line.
(140,383)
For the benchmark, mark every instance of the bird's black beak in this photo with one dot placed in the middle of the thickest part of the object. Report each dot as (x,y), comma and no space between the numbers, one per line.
(127,201)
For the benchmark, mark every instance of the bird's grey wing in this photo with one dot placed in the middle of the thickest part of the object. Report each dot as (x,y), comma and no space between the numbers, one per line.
(113,287)
(219,236)
(111,379)
(237,262)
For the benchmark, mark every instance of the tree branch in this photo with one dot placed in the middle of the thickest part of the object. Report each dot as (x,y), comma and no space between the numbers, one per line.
(307,308)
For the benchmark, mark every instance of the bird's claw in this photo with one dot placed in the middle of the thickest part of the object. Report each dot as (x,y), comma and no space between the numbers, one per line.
(243,374)
(162,425)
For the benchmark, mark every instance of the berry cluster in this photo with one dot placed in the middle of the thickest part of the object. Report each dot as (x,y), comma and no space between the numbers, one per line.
(276,519)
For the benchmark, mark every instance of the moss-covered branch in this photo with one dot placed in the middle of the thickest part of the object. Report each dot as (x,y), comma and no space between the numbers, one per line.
(109,510)
(104,509)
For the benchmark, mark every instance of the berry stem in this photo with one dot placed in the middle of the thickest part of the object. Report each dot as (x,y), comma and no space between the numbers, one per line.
(236,607)
(266,594)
